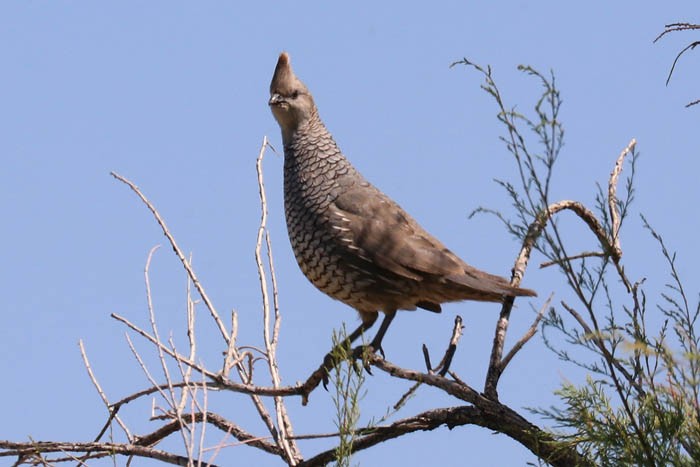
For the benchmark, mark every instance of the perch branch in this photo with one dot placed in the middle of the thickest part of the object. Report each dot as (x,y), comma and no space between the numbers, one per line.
(484,412)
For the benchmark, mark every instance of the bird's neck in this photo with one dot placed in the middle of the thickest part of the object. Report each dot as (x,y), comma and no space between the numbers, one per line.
(313,164)
(311,142)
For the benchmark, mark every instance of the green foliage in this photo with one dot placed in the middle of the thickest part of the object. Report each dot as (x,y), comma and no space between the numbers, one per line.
(347,379)
(640,403)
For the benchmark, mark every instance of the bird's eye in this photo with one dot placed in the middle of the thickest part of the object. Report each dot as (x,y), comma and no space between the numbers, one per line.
(295,94)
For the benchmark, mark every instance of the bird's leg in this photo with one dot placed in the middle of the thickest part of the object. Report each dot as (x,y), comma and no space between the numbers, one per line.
(376,344)
(332,357)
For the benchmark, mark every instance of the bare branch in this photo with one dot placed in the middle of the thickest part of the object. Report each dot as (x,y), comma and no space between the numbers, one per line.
(672,27)
(312,383)
(442,368)
(191,338)
(101,449)
(232,358)
(217,421)
(172,400)
(485,412)
(316,377)
(221,381)
(534,231)
(527,336)
(270,350)
(612,195)
(154,389)
(615,219)
(690,46)
(178,252)
(103,396)
(407,395)
(585,254)
(457,332)
(292,454)
(202,409)
(245,373)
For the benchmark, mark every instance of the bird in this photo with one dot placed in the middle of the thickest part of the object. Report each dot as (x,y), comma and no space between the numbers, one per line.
(352,241)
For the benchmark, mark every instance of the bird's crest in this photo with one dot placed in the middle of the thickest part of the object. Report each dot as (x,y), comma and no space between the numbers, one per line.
(284,81)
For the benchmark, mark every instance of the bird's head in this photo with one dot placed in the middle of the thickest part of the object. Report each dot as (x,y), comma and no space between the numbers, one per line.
(290,101)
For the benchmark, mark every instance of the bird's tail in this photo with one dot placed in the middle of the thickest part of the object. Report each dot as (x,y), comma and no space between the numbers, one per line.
(488,287)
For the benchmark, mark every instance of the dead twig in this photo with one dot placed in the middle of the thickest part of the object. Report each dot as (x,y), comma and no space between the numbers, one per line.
(442,368)
(222,382)
(675,27)
(444,365)
(527,336)
(585,254)
(215,420)
(672,27)
(11,449)
(178,252)
(292,454)
(614,211)
(171,400)
(112,412)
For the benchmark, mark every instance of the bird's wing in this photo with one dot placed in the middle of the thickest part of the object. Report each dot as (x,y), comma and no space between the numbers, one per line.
(378,229)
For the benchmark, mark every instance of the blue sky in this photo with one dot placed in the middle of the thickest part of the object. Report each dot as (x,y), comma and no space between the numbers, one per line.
(173,95)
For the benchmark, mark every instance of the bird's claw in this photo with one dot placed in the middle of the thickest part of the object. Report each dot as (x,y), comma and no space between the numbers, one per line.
(329,362)
(361,353)
(324,380)
(357,355)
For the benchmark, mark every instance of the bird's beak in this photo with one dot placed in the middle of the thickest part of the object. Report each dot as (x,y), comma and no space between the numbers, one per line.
(275,99)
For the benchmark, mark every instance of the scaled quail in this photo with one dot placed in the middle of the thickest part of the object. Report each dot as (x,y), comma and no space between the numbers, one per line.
(351,240)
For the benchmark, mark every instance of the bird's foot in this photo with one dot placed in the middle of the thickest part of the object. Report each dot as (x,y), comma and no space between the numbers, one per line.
(361,353)
(355,356)
(330,361)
